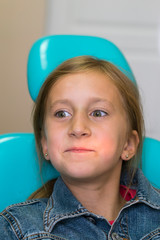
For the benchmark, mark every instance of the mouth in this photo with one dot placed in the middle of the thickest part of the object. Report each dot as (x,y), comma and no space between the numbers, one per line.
(79,150)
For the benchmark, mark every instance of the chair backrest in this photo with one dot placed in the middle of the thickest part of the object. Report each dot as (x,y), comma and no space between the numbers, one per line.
(19,169)
(151,161)
(20,173)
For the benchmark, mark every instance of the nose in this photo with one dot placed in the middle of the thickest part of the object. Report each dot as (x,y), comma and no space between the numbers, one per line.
(79,127)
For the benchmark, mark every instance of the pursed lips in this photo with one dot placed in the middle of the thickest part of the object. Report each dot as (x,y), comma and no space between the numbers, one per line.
(79,150)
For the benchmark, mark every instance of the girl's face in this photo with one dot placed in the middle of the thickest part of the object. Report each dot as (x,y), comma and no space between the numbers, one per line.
(86,128)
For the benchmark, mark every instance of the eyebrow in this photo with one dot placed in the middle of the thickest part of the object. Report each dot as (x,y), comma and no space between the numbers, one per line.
(98,100)
(60,101)
(91,101)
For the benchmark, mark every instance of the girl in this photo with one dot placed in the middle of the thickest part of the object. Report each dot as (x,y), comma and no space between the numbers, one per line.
(88,122)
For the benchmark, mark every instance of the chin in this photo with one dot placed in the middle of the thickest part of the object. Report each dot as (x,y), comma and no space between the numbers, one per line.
(79,176)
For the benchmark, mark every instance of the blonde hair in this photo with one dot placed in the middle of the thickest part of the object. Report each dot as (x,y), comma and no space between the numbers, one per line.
(127,89)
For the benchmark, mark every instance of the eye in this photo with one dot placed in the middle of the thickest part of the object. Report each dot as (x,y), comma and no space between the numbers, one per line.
(99,113)
(62,114)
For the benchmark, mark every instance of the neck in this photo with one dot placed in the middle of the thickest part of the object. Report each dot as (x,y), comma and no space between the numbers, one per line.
(100,197)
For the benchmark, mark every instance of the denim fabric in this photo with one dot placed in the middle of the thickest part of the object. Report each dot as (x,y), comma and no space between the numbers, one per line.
(62,217)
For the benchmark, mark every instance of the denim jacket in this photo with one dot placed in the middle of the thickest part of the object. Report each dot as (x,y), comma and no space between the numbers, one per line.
(62,217)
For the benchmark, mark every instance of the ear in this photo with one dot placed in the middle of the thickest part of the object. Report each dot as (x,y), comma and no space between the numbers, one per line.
(131,146)
(44,147)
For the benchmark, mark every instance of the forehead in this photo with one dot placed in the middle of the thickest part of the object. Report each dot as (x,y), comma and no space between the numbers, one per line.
(84,86)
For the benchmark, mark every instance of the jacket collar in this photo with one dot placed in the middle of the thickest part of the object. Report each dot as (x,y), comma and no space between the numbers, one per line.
(62,204)
(145,191)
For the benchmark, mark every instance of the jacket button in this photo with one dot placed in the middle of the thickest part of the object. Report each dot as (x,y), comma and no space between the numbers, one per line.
(115,236)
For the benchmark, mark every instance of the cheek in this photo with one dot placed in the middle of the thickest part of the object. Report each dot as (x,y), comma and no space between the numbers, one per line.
(54,143)
(53,133)
(55,139)
(105,141)
(110,141)
(54,151)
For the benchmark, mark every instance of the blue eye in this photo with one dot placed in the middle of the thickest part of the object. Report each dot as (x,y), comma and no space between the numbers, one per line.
(62,114)
(99,113)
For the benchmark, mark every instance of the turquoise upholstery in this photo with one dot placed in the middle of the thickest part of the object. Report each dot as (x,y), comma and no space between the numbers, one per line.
(48,52)
(151,161)
(19,170)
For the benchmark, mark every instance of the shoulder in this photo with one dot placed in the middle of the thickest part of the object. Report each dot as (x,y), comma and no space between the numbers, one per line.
(16,218)
(25,207)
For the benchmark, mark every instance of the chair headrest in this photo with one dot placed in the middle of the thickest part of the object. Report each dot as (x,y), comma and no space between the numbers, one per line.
(48,52)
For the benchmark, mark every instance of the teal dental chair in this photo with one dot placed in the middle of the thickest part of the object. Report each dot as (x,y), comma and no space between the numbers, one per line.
(19,169)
